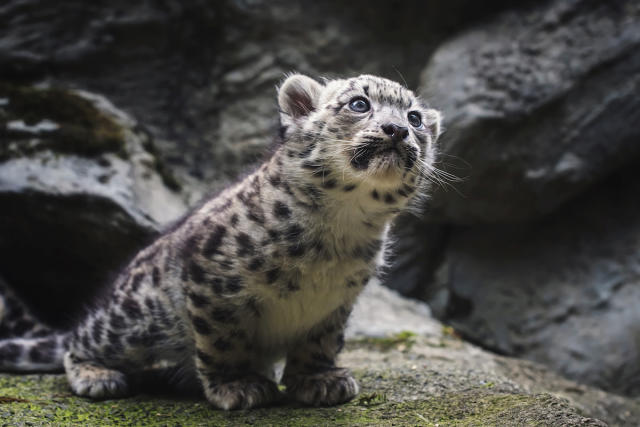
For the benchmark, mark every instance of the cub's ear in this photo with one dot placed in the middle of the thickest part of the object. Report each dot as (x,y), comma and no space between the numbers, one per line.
(433,118)
(298,96)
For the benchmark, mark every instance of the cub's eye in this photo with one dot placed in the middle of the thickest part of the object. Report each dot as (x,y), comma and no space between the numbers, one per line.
(414,119)
(359,105)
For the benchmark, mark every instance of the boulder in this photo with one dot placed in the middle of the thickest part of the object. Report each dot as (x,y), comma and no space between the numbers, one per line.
(79,193)
(538,104)
(563,291)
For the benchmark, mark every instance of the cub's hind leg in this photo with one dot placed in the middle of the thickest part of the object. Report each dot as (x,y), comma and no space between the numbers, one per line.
(89,379)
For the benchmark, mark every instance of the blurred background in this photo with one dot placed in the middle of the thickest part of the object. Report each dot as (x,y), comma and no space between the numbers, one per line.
(116,116)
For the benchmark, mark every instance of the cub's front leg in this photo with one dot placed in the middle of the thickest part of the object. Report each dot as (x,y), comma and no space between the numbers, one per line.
(311,375)
(225,362)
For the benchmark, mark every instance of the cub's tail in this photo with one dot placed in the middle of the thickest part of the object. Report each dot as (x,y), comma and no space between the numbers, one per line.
(42,354)
(26,343)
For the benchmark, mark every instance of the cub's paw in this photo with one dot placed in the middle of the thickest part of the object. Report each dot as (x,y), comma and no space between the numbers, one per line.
(325,388)
(242,393)
(90,380)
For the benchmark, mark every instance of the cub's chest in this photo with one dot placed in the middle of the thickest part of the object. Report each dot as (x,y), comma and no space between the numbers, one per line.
(320,289)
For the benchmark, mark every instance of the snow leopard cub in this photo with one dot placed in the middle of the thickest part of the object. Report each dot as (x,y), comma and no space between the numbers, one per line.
(269,268)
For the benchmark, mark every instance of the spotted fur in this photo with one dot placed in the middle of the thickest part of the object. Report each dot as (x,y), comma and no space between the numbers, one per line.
(269,268)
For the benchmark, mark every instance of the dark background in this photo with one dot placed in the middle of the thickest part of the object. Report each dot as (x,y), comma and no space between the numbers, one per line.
(533,252)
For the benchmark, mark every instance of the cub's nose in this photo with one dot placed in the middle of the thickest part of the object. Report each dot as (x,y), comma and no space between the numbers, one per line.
(397,133)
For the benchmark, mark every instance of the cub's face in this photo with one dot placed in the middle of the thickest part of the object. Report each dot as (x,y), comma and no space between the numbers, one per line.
(361,130)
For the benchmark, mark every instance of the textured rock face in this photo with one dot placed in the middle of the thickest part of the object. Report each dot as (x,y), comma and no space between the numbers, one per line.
(79,194)
(539,104)
(563,291)
(536,253)
(200,75)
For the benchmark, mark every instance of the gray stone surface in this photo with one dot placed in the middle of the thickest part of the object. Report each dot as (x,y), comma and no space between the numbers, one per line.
(71,217)
(380,312)
(538,105)
(563,291)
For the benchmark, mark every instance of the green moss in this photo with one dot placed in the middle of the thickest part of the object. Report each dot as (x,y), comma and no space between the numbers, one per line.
(46,400)
(82,128)
(401,341)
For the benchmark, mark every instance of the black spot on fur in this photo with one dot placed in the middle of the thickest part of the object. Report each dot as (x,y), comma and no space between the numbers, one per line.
(293,233)
(116,321)
(282,131)
(131,308)
(348,187)
(234,219)
(306,151)
(42,352)
(223,315)
(96,330)
(245,244)
(274,235)
(196,272)
(216,284)
(155,276)
(256,214)
(275,180)
(114,339)
(280,210)
(311,166)
(223,207)
(272,275)
(226,264)
(136,280)
(375,195)
(214,241)
(256,263)
(200,325)
(234,284)
(296,250)
(330,183)
(388,199)
(198,300)
(149,303)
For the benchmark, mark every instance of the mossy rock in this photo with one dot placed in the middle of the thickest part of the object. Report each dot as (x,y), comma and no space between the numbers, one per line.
(73,124)
(47,400)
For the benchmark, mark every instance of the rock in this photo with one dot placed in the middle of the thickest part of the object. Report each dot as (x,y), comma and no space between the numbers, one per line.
(381,312)
(437,380)
(200,75)
(563,291)
(79,191)
(537,102)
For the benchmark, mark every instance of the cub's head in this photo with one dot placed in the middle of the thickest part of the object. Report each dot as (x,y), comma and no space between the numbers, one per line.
(365,131)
